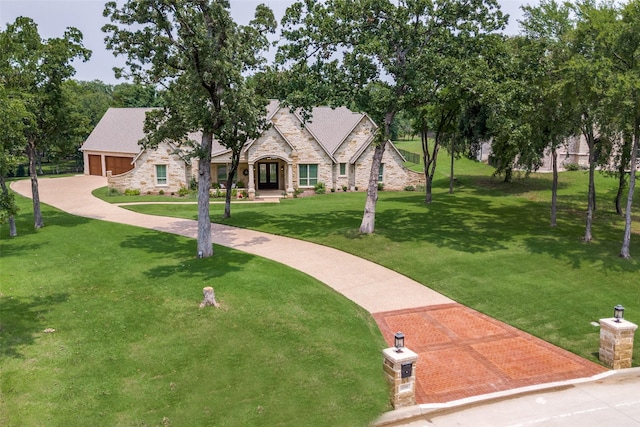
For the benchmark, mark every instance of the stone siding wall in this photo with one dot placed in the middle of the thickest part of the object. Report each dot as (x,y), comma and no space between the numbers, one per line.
(360,135)
(143,176)
(307,150)
(269,144)
(395,176)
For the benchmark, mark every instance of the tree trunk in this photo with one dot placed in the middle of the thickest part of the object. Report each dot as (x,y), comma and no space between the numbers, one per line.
(428,197)
(38,222)
(13,231)
(431,171)
(429,162)
(622,184)
(205,246)
(451,177)
(622,175)
(591,205)
(227,199)
(367,226)
(554,188)
(508,175)
(626,241)
(235,160)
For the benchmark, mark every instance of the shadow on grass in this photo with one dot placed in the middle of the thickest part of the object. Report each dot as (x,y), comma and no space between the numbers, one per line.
(183,251)
(497,187)
(21,245)
(159,243)
(576,252)
(470,221)
(23,319)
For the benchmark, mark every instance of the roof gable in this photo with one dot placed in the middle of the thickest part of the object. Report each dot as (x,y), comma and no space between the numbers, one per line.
(331,126)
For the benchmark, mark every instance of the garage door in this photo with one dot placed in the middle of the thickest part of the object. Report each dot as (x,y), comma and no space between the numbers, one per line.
(118,165)
(95,165)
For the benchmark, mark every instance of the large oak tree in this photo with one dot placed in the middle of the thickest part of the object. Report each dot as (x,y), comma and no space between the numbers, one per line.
(199,54)
(376,56)
(33,72)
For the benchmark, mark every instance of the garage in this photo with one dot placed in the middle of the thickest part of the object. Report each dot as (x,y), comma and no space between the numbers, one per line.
(118,165)
(95,165)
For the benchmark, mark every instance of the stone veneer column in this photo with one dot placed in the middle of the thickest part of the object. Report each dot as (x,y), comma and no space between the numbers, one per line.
(252,185)
(289,180)
(616,343)
(402,384)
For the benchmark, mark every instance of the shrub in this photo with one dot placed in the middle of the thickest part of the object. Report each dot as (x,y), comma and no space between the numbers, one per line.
(215,185)
(380,186)
(355,188)
(344,188)
(234,192)
(132,192)
(193,184)
(161,192)
(409,188)
(572,167)
(333,190)
(297,191)
(111,192)
(183,191)
(320,188)
(240,184)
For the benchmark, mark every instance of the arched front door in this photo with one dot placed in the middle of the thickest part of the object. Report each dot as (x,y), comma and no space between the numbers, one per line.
(268,176)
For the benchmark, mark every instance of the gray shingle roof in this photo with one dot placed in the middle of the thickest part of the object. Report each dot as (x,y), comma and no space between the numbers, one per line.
(118,131)
(331,126)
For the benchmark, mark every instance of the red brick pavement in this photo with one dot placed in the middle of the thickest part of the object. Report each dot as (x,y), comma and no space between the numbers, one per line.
(463,353)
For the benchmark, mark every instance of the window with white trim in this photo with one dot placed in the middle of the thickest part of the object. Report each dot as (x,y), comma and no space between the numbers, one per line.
(381,172)
(343,169)
(307,175)
(161,174)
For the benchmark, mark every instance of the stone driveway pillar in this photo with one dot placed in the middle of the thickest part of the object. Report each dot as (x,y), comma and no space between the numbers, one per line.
(616,343)
(400,372)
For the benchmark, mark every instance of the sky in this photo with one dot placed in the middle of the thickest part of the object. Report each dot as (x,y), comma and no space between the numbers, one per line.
(54,16)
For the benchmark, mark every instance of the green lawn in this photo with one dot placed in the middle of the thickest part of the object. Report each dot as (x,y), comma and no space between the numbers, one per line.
(488,246)
(132,347)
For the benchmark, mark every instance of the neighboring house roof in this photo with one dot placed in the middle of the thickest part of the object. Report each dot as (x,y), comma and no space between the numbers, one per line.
(118,131)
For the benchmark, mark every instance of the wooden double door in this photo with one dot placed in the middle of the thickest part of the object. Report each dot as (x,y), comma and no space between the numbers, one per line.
(268,177)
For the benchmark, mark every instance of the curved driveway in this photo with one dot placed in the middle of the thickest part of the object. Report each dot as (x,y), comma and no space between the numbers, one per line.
(373,287)
(464,357)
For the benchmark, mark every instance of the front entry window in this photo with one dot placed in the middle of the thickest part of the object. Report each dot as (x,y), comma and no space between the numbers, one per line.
(308,175)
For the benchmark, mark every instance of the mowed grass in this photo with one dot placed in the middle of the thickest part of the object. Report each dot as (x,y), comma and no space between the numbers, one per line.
(488,246)
(132,347)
